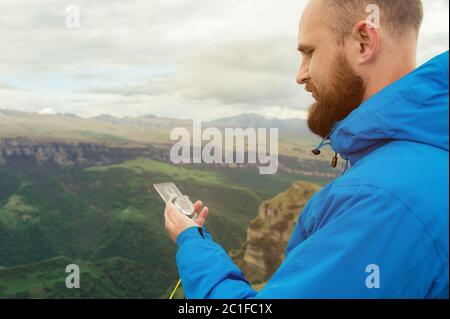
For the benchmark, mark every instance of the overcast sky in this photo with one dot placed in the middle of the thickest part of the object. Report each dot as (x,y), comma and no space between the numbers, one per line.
(200,59)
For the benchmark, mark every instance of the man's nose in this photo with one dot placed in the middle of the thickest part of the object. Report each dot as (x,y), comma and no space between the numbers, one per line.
(303,75)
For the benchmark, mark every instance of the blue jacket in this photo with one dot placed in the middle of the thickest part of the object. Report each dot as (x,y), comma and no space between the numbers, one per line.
(378,231)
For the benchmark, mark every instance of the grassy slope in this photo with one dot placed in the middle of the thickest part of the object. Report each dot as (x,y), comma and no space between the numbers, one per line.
(109,218)
(101,279)
(214,189)
(101,213)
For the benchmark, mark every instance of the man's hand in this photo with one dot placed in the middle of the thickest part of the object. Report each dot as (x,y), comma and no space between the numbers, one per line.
(176,222)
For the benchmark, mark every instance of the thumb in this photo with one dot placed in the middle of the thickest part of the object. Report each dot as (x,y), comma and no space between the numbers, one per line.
(201,218)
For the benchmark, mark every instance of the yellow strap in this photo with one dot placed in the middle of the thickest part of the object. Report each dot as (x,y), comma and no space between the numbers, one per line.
(176,287)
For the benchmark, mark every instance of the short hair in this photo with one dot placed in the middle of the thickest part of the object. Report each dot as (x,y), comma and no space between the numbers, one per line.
(397,16)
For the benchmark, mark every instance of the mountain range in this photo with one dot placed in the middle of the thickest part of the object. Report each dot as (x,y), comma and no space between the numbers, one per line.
(79,191)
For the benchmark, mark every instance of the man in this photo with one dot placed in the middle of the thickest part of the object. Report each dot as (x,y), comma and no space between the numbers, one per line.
(381,229)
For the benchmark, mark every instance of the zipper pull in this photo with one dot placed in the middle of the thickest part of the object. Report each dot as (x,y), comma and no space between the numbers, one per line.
(334,161)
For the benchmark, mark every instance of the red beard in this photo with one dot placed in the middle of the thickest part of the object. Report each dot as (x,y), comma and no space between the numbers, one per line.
(343,93)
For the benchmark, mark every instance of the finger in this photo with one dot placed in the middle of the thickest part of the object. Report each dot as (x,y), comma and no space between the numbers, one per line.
(201,219)
(166,220)
(198,206)
(167,215)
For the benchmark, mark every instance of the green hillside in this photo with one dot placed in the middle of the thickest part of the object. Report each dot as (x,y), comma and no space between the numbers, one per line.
(109,220)
(101,279)
(56,208)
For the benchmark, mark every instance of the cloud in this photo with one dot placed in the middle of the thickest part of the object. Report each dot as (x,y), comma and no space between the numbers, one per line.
(255,72)
(260,71)
(432,44)
(47,111)
(6,86)
(179,58)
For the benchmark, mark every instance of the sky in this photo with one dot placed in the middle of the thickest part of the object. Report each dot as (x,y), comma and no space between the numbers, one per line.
(197,59)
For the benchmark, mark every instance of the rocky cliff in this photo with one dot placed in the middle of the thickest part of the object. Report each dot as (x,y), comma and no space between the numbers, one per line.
(69,154)
(269,233)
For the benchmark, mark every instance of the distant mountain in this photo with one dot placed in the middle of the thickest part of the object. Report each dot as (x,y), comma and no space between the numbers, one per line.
(148,121)
(247,120)
(107,118)
(295,138)
(76,190)
(73,129)
(251,120)
(71,115)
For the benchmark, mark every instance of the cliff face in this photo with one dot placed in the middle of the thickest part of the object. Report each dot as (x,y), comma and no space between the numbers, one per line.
(70,154)
(269,233)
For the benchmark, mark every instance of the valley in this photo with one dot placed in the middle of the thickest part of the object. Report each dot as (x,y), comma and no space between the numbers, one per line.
(87,199)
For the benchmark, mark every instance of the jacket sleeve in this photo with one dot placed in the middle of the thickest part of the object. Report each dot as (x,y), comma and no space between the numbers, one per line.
(360,242)
(206,270)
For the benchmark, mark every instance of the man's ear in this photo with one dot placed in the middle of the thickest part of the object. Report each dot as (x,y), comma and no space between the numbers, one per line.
(366,37)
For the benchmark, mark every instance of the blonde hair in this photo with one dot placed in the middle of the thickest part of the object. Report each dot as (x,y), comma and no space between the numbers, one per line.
(396,16)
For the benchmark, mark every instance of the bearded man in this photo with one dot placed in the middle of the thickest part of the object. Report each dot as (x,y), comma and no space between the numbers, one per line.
(381,229)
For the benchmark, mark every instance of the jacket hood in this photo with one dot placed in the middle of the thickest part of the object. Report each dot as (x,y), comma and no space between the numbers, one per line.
(415,108)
